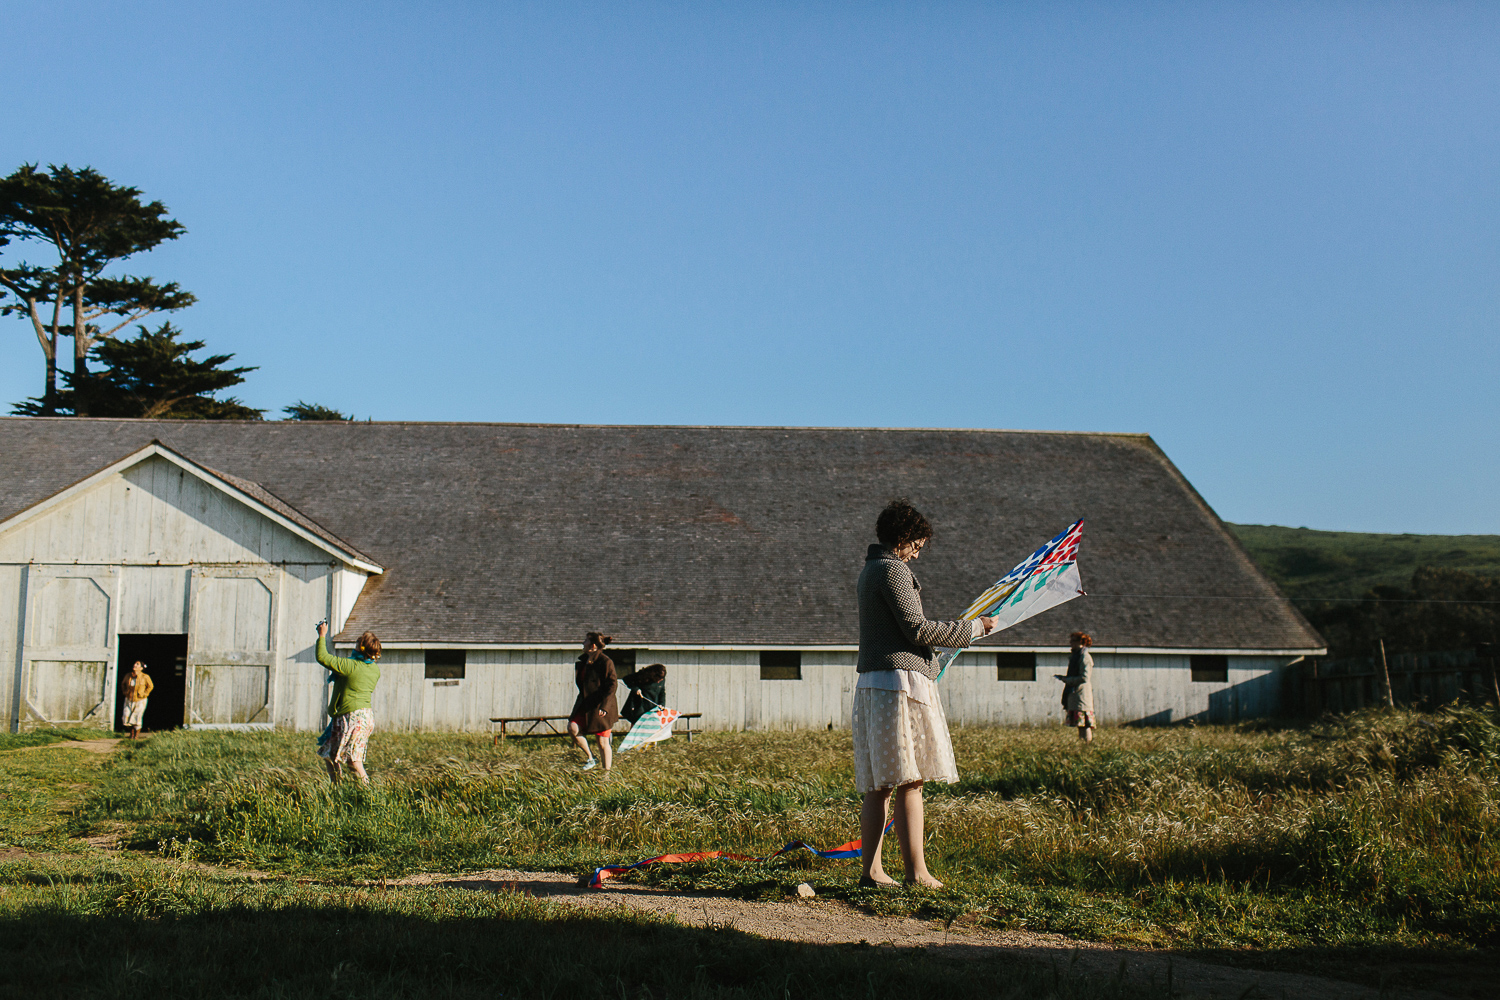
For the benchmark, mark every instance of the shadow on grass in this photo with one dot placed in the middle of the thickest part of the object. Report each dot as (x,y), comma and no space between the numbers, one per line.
(304,951)
(1450,970)
(87,928)
(1457,972)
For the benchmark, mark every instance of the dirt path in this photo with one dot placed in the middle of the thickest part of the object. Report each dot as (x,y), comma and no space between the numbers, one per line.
(93,746)
(824,921)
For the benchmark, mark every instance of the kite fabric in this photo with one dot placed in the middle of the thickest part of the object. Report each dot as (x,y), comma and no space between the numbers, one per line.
(651,727)
(843,851)
(1046,578)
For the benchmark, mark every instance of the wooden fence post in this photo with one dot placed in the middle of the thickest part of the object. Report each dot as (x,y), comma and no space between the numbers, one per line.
(1486,650)
(1385,671)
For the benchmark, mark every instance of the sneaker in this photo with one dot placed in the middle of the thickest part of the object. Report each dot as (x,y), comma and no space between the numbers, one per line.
(591,764)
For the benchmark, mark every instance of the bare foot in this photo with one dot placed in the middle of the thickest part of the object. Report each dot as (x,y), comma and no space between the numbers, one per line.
(876,880)
(924,879)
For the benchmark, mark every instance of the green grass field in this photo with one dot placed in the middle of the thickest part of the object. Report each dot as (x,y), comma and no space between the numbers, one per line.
(1210,837)
(1321,847)
(1309,564)
(80,922)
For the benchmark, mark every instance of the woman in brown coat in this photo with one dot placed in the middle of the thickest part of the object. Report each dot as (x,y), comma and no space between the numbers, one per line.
(596,711)
(1078,686)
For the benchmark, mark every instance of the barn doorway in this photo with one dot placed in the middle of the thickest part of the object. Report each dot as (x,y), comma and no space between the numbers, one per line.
(165,657)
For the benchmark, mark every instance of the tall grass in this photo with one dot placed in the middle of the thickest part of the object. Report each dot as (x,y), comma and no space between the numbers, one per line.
(1382,827)
(41,789)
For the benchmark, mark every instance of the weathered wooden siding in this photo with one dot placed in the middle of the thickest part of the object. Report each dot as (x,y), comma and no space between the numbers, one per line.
(1160,689)
(70,618)
(155,512)
(154,599)
(1151,689)
(726,687)
(971,693)
(157,550)
(301,692)
(12,596)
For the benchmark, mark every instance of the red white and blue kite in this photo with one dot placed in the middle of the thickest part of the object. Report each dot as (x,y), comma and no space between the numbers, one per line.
(1046,578)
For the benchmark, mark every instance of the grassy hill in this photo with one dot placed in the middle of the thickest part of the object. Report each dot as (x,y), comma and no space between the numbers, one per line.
(1307,563)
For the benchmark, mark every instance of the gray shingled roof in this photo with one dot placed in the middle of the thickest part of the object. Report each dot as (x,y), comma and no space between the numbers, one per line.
(286,510)
(740,535)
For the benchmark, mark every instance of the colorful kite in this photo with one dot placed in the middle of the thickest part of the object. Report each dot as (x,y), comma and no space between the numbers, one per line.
(1046,578)
(655,725)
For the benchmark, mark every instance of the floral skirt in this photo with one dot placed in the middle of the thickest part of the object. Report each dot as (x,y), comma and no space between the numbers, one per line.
(347,736)
(1081,719)
(898,741)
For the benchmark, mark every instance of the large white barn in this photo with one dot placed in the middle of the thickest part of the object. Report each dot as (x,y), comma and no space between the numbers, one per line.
(480,553)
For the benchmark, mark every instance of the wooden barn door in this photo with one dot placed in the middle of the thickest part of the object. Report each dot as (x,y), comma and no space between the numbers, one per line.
(68,651)
(232,639)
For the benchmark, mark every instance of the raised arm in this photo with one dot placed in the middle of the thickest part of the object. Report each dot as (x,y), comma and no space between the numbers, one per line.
(337,664)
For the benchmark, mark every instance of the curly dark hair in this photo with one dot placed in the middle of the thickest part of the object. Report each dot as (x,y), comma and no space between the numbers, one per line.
(900,523)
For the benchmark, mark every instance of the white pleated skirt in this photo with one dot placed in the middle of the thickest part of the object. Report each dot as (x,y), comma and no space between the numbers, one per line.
(898,740)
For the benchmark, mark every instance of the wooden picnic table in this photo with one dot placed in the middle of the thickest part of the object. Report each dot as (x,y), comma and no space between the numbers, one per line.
(542,726)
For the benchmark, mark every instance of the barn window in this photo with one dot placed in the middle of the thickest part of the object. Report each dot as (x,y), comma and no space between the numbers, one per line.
(1016,666)
(445,664)
(1211,668)
(623,659)
(780,665)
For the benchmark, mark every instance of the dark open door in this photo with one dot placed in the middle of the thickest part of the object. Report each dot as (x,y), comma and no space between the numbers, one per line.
(165,657)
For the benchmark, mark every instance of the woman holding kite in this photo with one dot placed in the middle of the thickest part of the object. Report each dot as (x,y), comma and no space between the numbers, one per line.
(900,734)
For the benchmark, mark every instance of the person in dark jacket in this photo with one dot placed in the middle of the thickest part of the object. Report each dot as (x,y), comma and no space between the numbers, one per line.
(595,711)
(648,691)
(900,733)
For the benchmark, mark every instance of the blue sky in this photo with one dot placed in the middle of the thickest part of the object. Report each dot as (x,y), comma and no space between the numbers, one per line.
(1267,234)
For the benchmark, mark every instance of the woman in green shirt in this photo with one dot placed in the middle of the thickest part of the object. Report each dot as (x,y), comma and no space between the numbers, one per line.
(352,722)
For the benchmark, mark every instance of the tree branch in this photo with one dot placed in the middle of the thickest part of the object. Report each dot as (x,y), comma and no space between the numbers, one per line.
(81,340)
(56,324)
(143,311)
(41,330)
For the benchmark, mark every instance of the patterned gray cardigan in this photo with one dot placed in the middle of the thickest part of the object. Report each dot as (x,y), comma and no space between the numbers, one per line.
(894,634)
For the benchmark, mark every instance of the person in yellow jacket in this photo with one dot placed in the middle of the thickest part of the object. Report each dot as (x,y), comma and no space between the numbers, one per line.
(136,687)
(351,720)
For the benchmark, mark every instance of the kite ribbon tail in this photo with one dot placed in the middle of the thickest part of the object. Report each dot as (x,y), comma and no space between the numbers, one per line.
(611,871)
(841,852)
